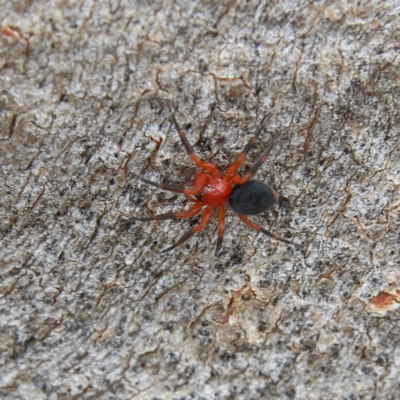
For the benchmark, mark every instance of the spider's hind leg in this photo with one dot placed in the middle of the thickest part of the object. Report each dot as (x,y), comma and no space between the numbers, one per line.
(242,156)
(207,166)
(257,227)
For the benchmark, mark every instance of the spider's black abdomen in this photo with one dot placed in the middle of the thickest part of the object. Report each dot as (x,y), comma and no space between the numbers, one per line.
(253,197)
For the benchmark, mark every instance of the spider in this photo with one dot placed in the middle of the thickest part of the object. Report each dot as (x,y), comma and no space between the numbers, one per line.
(213,189)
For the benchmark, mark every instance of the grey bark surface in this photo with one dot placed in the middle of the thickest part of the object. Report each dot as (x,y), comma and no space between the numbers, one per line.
(91,308)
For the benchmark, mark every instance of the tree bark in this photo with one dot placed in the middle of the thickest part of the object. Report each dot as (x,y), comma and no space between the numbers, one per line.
(91,308)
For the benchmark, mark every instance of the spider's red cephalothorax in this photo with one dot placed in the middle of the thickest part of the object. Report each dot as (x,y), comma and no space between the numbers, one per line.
(213,190)
(217,190)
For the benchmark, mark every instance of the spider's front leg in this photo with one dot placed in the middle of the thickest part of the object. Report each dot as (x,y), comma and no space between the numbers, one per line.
(207,166)
(199,183)
(205,220)
(194,210)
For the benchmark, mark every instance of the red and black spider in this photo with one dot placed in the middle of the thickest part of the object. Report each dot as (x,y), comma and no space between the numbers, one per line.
(213,189)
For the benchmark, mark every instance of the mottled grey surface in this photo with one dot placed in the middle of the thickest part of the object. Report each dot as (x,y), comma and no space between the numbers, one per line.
(90,308)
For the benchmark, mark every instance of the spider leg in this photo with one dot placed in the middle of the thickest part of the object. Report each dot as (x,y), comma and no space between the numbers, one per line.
(264,157)
(221,228)
(241,157)
(165,186)
(257,227)
(200,182)
(205,219)
(207,166)
(195,209)
(240,180)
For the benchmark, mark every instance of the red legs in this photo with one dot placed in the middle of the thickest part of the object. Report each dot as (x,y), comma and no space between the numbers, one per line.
(205,219)
(221,228)
(207,166)
(241,157)
(240,180)
(262,159)
(200,182)
(257,227)
(195,209)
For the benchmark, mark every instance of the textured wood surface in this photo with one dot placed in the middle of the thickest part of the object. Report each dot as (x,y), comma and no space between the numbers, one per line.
(90,308)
